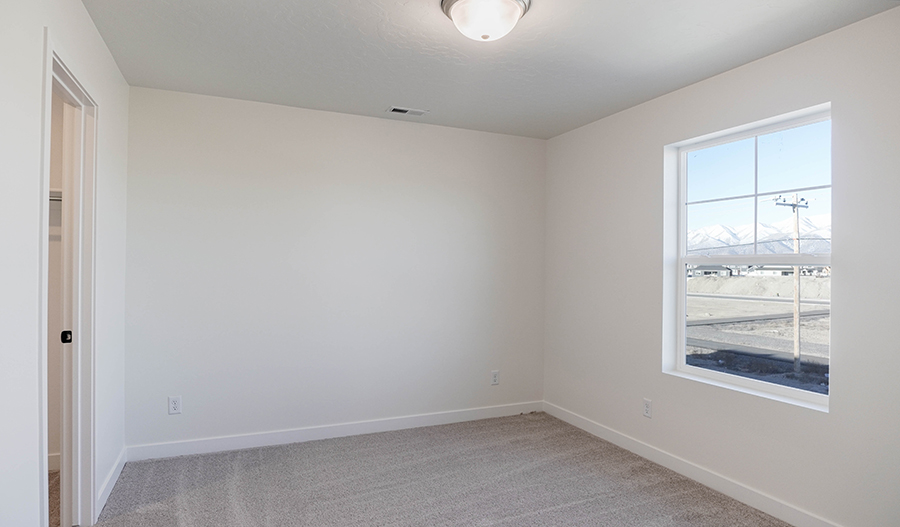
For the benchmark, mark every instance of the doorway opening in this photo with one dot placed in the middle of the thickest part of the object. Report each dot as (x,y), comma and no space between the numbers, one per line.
(68,298)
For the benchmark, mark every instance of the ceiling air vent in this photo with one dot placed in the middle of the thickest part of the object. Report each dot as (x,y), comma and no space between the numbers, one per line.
(406,111)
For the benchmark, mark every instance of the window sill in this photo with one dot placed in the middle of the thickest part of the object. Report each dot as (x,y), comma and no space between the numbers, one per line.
(775,392)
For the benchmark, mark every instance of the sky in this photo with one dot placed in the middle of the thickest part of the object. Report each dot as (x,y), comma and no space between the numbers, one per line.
(789,159)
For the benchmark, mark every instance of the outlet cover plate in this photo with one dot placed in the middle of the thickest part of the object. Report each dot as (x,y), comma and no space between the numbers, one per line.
(175,405)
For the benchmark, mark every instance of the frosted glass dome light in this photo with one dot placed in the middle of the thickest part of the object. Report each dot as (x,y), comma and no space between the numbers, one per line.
(485,20)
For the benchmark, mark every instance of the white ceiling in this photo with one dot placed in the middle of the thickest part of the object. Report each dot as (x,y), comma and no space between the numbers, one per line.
(567,63)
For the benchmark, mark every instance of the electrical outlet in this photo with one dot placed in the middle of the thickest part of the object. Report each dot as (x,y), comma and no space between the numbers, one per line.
(648,409)
(175,405)
(495,377)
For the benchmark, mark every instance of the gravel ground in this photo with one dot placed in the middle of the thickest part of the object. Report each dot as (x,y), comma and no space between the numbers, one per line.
(768,371)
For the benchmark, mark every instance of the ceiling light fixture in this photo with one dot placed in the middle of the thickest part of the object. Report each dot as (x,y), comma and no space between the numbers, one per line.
(485,20)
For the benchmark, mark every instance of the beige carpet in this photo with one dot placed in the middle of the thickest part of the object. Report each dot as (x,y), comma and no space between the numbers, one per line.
(54,498)
(527,470)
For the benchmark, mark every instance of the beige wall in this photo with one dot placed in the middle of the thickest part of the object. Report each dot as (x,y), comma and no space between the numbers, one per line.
(604,282)
(290,268)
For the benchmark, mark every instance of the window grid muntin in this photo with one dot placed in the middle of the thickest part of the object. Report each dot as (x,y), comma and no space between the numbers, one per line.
(755,194)
(730,138)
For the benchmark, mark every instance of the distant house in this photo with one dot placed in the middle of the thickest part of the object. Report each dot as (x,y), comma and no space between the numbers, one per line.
(710,270)
(771,270)
(787,270)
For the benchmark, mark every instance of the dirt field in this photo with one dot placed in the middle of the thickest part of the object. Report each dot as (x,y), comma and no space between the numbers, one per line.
(756,313)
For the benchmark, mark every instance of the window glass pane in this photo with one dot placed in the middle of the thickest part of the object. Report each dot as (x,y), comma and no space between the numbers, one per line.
(776,223)
(720,227)
(721,171)
(795,158)
(740,321)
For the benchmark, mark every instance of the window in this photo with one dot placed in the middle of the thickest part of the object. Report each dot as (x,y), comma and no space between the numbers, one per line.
(753,272)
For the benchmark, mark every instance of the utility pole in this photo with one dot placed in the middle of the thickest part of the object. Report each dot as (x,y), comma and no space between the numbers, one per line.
(796,204)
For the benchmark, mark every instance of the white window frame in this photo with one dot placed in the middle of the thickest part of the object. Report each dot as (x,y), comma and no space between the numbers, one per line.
(674,359)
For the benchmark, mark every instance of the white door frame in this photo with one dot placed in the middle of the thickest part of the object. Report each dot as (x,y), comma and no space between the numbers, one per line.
(77,453)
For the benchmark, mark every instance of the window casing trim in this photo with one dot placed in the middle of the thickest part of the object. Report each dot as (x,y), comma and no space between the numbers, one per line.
(674,328)
(812,115)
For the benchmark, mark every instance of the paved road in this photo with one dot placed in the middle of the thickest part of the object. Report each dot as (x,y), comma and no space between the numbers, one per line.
(747,298)
(714,309)
(754,318)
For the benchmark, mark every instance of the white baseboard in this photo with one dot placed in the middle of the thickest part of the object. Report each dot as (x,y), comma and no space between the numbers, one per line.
(52,462)
(110,481)
(312,433)
(752,497)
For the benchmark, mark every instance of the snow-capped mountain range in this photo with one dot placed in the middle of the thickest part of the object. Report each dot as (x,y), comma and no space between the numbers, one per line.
(777,238)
